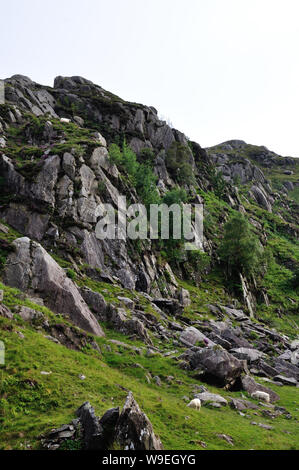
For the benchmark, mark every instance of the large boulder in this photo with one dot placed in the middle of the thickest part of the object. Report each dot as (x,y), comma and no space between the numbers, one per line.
(236,341)
(5,312)
(265,369)
(217,366)
(184,297)
(191,336)
(92,429)
(286,368)
(30,268)
(248,354)
(251,386)
(98,434)
(96,302)
(291,356)
(234,313)
(134,431)
(207,397)
(261,197)
(170,306)
(241,405)
(130,430)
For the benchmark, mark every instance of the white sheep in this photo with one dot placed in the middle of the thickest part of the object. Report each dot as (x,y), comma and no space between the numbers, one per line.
(65,120)
(261,396)
(195,403)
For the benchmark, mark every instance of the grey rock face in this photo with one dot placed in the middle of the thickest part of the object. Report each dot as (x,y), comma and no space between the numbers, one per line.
(285,380)
(234,313)
(108,423)
(171,306)
(116,317)
(28,314)
(5,312)
(184,297)
(96,302)
(241,405)
(286,368)
(292,356)
(130,430)
(28,95)
(249,354)
(236,341)
(100,160)
(98,434)
(191,336)
(261,198)
(250,386)
(218,366)
(92,429)
(207,397)
(21,217)
(30,267)
(134,430)
(294,344)
(129,303)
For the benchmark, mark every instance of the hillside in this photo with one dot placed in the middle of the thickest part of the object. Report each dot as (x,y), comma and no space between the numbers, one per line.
(84,319)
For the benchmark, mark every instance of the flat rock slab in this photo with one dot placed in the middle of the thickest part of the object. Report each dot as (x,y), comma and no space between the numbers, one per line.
(242,405)
(285,380)
(207,397)
(192,335)
(248,354)
(234,313)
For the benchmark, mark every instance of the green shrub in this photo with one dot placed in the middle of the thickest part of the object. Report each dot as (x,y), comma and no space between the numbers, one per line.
(177,163)
(71,274)
(240,250)
(129,160)
(145,184)
(115,154)
(199,260)
(218,183)
(147,156)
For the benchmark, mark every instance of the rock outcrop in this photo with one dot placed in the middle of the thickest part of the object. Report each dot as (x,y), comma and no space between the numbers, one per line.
(128,430)
(30,268)
(134,430)
(250,386)
(217,366)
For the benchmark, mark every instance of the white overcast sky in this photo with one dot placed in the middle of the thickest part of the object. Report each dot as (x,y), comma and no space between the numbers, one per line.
(218,69)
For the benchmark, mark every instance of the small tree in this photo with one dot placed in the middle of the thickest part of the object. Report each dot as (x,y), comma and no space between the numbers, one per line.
(218,183)
(173,246)
(177,163)
(145,183)
(130,163)
(115,154)
(240,250)
(147,156)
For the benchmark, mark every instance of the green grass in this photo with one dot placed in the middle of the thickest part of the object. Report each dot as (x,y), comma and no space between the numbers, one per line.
(32,403)
(295,194)
(210,291)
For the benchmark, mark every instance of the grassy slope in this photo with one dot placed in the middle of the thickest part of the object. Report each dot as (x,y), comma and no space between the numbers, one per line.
(32,403)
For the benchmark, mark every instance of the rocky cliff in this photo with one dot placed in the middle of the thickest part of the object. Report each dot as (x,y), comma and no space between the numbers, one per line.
(57,169)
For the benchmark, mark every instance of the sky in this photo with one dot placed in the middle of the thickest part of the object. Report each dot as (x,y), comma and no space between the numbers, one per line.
(216,69)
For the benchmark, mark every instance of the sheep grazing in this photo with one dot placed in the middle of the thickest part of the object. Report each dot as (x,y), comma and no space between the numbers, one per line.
(261,396)
(196,404)
(65,120)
